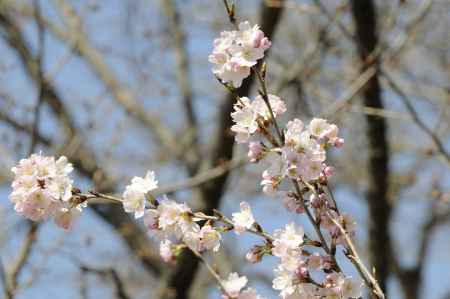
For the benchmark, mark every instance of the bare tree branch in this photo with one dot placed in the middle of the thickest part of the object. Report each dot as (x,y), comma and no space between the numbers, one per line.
(415,117)
(123,95)
(183,78)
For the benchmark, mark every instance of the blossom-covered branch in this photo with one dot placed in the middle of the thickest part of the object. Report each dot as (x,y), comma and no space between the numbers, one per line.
(296,173)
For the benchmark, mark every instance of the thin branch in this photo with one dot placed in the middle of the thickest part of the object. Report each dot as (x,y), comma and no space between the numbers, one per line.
(415,117)
(22,257)
(203,177)
(369,279)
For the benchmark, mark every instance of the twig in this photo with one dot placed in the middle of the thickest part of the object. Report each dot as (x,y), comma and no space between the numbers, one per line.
(353,256)
(211,270)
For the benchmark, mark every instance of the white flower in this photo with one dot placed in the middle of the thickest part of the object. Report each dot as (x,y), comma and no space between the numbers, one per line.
(289,238)
(171,213)
(134,201)
(244,219)
(145,184)
(234,284)
(318,127)
(209,238)
(134,194)
(244,118)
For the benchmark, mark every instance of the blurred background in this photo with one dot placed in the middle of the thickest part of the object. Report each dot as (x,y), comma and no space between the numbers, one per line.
(120,87)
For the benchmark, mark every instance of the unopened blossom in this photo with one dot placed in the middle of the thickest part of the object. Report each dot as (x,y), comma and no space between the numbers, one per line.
(252,257)
(243,220)
(328,171)
(151,219)
(65,217)
(209,238)
(273,175)
(234,284)
(166,251)
(255,151)
(235,52)
(41,186)
(134,194)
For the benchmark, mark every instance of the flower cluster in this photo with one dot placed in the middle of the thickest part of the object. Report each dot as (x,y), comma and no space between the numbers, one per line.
(235,52)
(42,189)
(294,275)
(171,220)
(303,155)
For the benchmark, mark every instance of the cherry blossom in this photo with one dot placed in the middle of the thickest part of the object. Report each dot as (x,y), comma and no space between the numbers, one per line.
(134,194)
(235,52)
(244,219)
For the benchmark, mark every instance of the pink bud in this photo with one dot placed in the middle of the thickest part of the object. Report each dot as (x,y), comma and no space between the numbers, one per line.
(257,38)
(328,171)
(302,272)
(253,256)
(254,151)
(339,142)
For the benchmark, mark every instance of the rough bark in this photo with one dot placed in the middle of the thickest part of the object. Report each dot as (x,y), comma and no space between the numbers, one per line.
(364,15)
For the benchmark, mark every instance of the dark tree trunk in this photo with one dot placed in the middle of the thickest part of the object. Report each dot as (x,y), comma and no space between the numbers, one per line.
(364,14)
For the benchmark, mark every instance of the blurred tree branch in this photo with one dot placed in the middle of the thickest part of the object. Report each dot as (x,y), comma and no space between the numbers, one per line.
(76,150)
(182,75)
